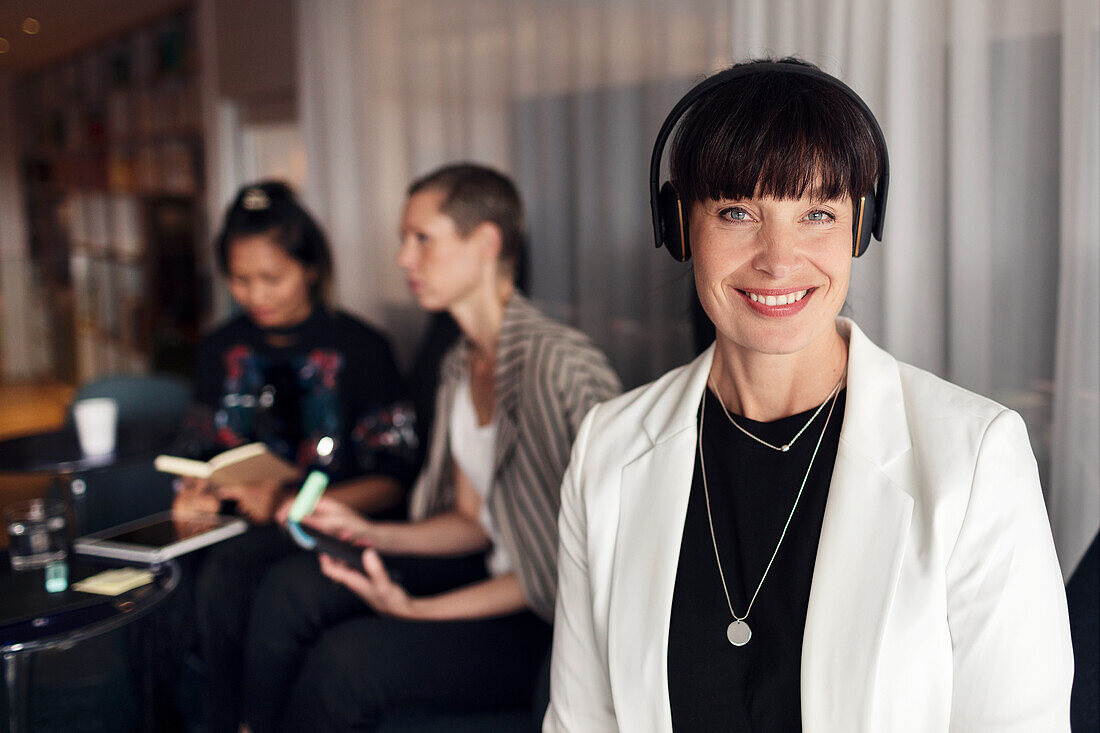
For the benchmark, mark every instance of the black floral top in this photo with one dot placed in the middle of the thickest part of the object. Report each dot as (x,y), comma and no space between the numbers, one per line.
(325,394)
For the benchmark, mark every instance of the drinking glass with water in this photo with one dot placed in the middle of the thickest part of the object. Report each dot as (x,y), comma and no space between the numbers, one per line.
(36,533)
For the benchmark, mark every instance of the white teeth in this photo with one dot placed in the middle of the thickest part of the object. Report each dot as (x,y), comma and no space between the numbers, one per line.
(785,299)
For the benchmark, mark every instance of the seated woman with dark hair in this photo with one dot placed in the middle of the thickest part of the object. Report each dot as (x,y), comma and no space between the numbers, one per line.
(317,385)
(467,625)
(796,531)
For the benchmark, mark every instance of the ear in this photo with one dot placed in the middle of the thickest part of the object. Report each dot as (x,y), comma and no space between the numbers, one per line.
(488,235)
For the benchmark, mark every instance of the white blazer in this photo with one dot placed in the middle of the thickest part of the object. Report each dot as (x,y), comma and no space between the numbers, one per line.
(936,602)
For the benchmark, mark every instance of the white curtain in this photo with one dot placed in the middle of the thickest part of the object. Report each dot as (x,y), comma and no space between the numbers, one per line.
(1074,495)
(988,272)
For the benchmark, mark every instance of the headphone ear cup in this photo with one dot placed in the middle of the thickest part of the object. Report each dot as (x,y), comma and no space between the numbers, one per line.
(674,230)
(863,224)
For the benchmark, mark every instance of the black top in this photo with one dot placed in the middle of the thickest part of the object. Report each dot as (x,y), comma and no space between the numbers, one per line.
(713,685)
(330,376)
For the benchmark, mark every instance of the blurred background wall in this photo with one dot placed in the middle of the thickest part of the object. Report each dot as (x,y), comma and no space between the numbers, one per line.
(988,274)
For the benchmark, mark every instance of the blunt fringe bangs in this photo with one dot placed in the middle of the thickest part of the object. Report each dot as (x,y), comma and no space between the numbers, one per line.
(474,194)
(774,134)
(271,208)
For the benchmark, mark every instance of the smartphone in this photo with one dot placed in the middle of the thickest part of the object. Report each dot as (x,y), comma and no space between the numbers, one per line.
(343,550)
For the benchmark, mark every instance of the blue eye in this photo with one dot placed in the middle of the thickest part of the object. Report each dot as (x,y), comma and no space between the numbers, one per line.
(820,216)
(734,213)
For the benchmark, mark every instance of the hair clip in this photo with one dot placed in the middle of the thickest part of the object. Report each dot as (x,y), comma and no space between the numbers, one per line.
(255,199)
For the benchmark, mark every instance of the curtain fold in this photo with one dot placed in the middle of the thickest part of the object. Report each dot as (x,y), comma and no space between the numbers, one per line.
(1074,490)
(988,272)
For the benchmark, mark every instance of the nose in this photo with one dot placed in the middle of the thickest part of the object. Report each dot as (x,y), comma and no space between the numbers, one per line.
(248,294)
(257,294)
(777,254)
(406,254)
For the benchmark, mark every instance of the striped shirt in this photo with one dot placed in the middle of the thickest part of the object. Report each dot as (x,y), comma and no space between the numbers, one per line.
(548,376)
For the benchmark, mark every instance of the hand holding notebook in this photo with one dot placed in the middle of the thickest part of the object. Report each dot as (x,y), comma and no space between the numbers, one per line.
(246,464)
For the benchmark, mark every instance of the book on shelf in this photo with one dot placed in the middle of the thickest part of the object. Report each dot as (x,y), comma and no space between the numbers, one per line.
(97,224)
(126,234)
(242,465)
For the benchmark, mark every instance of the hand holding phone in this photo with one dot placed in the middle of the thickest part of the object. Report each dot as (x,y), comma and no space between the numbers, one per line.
(316,540)
(343,550)
(374,583)
(308,496)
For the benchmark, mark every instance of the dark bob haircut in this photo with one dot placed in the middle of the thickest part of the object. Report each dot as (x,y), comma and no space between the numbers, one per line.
(776,134)
(474,194)
(271,208)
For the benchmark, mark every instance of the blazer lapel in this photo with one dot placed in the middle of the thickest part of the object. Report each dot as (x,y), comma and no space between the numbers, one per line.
(653,503)
(433,490)
(511,357)
(863,539)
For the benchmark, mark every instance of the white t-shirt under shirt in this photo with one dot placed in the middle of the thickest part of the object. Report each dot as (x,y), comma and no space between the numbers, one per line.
(472,447)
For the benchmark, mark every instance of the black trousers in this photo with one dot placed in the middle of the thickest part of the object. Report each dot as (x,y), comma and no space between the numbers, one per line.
(318,659)
(205,617)
(226,583)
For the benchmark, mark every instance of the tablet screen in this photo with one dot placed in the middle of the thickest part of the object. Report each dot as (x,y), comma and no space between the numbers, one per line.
(166,531)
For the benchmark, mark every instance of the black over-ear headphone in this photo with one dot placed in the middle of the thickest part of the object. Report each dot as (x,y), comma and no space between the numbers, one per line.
(670,227)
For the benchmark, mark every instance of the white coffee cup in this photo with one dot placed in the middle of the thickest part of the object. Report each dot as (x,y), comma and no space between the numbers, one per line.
(96,420)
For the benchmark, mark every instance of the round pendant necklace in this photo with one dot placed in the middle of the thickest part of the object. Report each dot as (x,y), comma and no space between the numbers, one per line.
(780,448)
(738,632)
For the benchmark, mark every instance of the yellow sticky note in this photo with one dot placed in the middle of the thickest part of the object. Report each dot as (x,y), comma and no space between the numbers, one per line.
(114,582)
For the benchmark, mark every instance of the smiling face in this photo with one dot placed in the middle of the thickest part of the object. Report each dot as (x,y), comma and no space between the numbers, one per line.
(442,266)
(271,286)
(772,274)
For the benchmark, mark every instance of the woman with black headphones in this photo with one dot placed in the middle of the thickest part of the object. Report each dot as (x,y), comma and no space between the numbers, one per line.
(796,531)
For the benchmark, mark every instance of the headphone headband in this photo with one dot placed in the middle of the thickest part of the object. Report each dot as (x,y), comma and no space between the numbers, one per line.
(724,77)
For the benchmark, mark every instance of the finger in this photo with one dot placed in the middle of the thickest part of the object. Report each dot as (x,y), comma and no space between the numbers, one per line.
(327,506)
(338,570)
(375,568)
(346,528)
(283,512)
(191,504)
(267,487)
(230,492)
(326,524)
(328,566)
(191,483)
(323,507)
(355,581)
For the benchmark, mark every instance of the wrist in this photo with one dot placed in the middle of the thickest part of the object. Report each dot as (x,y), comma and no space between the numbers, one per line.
(423,608)
(380,536)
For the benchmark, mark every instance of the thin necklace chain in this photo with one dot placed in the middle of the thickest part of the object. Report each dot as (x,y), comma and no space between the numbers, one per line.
(787,524)
(761,441)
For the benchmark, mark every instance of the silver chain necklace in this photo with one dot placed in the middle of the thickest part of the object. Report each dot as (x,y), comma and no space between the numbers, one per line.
(738,632)
(761,441)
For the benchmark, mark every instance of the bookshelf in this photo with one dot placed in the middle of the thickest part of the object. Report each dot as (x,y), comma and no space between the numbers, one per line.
(112,170)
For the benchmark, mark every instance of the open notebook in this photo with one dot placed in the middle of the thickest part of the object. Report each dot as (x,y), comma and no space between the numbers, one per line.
(241,465)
